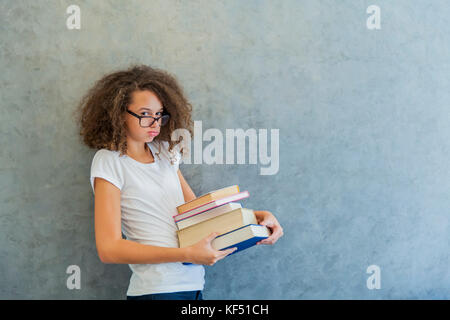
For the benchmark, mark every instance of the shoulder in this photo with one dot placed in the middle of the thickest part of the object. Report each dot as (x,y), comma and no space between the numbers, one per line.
(105,165)
(106,154)
(103,156)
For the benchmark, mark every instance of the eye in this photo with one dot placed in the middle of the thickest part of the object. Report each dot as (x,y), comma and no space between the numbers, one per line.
(148,113)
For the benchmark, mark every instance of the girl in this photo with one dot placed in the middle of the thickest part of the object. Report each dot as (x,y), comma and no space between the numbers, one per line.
(128,117)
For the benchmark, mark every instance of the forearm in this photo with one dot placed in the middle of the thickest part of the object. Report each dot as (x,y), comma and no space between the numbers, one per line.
(125,251)
(188,193)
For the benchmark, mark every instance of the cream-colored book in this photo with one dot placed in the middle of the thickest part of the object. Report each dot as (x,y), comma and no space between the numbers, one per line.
(221,224)
(209,214)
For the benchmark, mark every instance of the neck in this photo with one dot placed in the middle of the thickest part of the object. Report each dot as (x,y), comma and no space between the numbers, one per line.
(138,150)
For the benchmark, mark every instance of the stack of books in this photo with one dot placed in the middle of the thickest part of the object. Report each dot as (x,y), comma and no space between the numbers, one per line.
(218,211)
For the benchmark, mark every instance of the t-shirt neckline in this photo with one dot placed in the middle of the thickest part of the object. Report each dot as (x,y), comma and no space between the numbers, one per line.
(155,157)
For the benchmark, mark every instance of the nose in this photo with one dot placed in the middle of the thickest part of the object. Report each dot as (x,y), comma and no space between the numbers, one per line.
(155,124)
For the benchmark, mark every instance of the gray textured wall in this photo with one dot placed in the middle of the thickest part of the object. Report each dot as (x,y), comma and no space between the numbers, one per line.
(364,139)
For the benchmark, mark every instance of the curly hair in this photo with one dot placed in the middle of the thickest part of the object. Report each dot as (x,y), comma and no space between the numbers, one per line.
(102,110)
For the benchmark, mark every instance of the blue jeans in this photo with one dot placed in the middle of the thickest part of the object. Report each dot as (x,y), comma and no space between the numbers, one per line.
(180,295)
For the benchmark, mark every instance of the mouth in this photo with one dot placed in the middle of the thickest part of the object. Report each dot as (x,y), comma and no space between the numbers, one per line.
(153,133)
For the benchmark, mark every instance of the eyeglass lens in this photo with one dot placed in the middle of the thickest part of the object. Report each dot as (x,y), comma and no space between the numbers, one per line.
(147,122)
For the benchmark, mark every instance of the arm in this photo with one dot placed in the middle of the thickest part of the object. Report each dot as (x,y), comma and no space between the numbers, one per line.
(108,236)
(113,249)
(187,191)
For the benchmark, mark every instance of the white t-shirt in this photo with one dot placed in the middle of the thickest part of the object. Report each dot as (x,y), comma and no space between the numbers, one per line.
(150,193)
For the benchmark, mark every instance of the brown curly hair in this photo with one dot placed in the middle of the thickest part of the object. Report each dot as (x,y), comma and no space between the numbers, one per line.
(101,111)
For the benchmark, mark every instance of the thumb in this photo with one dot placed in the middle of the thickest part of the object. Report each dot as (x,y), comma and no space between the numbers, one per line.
(266,223)
(211,236)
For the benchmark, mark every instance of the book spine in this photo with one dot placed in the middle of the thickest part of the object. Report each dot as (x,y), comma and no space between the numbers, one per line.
(218,203)
(211,193)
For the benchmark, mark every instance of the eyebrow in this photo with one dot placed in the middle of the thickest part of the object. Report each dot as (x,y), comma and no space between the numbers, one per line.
(162,109)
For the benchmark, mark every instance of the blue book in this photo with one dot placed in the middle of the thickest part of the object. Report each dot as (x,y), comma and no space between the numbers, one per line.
(242,238)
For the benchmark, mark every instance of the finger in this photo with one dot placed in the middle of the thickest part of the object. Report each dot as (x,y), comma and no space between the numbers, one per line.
(275,229)
(269,239)
(264,241)
(229,251)
(267,223)
(274,232)
(212,236)
(224,253)
(272,239)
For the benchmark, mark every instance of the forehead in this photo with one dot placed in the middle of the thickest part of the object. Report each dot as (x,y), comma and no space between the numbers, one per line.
(146,100)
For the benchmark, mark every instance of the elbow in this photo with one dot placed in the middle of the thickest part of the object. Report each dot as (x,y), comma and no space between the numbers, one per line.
(105,255)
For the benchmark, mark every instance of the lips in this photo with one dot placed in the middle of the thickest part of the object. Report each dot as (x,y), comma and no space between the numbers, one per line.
(153,133)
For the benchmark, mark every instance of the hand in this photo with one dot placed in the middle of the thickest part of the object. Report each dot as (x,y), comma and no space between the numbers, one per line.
(266,218)
(203,253)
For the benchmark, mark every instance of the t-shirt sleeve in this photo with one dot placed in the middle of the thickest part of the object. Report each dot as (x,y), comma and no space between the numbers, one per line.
(105,165)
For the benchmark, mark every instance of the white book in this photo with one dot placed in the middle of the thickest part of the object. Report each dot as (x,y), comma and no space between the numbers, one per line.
(215,212)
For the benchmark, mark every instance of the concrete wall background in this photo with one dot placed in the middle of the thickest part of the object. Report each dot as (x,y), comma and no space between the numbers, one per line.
(364,139)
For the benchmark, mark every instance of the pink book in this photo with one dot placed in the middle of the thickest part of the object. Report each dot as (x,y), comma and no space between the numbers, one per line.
(211,205)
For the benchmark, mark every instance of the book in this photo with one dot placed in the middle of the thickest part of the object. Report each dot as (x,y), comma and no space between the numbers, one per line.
(211,205)
(242,238)
(222,224)
(183,223)
(208,197)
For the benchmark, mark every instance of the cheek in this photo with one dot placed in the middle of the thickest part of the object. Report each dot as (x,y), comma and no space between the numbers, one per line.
(133,128)
(133,124)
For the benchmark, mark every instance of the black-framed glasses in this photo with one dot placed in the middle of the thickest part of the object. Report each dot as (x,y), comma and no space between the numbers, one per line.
(147,121)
